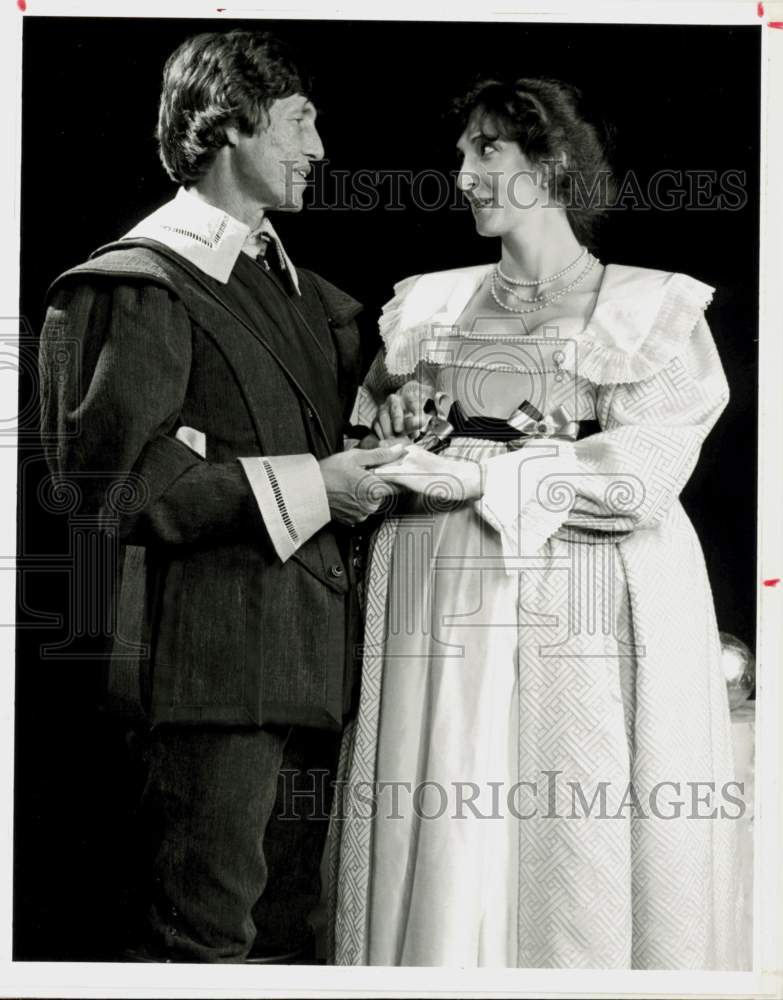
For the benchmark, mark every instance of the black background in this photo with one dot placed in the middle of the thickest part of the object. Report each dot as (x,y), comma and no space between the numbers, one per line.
(680,98)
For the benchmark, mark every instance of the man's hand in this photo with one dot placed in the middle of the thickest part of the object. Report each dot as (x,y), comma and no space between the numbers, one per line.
(353,489)
(403,411)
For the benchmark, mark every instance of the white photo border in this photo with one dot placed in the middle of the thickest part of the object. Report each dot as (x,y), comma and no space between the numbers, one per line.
(33,979)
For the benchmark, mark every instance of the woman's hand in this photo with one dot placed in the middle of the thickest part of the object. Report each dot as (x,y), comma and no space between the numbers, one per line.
(444,479)
(371,441)
(403,411)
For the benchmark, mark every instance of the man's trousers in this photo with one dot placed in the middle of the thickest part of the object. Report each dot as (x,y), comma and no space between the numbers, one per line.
(233,828)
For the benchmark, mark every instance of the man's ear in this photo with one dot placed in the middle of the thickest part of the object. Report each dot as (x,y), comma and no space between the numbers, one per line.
(231,133)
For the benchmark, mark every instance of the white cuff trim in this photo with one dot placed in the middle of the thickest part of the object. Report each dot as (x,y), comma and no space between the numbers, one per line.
(291,497)
(528,495)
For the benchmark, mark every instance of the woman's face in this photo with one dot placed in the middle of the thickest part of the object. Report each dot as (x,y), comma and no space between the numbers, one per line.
(500,183)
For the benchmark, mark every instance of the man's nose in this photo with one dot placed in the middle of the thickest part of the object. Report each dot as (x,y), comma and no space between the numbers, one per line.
(313,147)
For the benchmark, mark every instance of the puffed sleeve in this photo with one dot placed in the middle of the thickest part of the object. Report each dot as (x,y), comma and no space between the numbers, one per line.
(115,362)
(624,478)
(399,361)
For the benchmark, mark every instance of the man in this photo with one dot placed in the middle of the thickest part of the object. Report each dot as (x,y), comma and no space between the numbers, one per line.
(200,412)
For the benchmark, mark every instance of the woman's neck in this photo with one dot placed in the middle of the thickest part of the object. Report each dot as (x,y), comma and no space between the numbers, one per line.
(539,250)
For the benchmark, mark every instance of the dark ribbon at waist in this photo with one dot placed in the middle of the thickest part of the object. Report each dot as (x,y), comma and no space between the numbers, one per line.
(527,422)
(491,428)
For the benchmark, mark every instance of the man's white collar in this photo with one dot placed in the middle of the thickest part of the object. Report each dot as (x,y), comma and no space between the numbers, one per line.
(207,237)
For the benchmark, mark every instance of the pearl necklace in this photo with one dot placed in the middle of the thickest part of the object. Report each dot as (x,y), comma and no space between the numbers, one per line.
(548,279)
(545,300)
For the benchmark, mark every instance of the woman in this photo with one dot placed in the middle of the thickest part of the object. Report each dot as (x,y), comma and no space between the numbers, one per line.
(542,699)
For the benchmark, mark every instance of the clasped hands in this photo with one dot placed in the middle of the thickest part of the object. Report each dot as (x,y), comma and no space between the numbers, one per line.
(358,482)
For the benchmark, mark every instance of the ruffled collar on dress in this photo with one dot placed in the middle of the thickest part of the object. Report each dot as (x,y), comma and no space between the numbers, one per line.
(640,321)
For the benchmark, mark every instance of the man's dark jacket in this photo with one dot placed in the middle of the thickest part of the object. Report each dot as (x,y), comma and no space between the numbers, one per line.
(211,626)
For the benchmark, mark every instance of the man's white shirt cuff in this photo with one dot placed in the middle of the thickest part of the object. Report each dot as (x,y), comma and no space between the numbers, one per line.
(291,497)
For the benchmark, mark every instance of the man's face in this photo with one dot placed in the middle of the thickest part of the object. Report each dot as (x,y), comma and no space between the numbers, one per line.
(271,166)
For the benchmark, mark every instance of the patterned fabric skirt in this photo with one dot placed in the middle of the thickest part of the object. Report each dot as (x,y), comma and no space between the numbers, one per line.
(516,789)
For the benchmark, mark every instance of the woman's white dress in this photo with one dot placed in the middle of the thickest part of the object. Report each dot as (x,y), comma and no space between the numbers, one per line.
(538,772)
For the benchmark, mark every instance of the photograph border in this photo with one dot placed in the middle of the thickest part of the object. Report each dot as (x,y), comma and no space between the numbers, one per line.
(40,979)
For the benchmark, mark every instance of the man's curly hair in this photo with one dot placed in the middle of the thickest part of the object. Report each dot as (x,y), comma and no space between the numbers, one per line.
(216,80)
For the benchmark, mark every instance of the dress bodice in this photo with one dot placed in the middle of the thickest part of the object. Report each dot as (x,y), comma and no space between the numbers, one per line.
(642,321)
(491,375)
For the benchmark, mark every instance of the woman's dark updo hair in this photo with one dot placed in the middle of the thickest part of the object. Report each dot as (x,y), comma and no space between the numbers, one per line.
(542,117)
